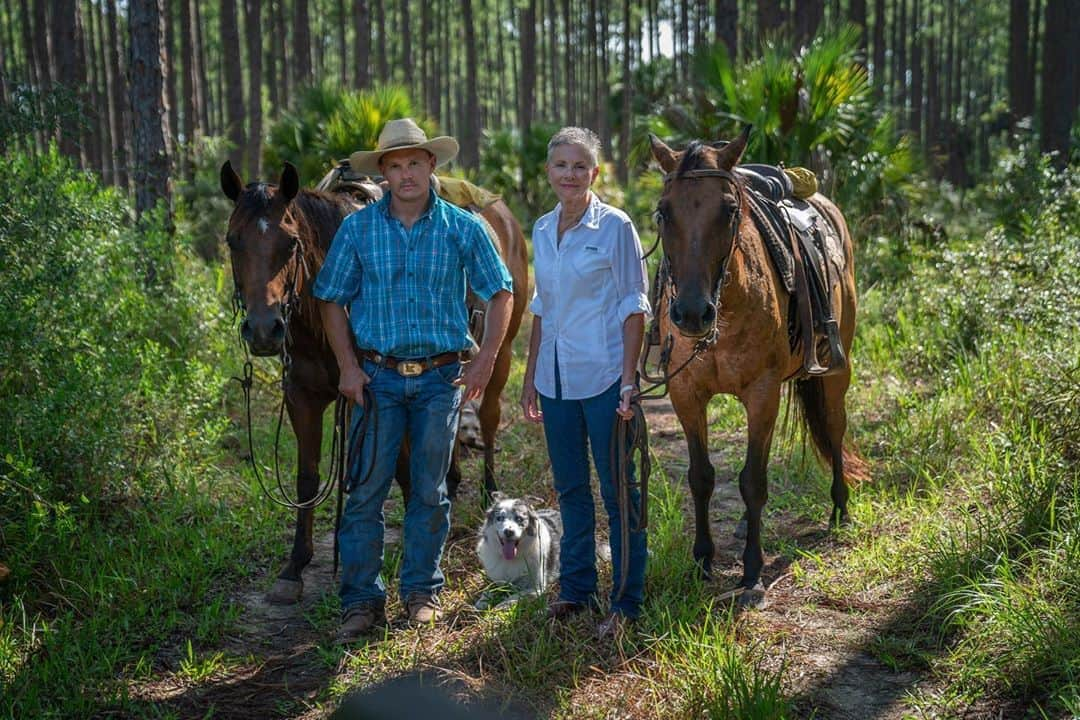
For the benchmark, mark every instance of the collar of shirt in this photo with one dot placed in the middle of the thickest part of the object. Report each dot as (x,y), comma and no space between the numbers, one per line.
(590,220)
(433,206)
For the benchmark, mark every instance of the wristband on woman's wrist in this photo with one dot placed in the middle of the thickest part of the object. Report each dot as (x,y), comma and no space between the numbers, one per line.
(624,388)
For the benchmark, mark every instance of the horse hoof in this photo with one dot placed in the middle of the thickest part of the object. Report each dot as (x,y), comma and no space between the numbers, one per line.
(753,598)
(740,530)
(704,570)
(285,592)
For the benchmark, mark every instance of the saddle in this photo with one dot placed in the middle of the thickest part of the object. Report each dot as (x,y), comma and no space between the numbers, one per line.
(806,252)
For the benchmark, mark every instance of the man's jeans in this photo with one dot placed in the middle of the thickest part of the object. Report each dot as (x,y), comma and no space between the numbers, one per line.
(568,426)
(425,407)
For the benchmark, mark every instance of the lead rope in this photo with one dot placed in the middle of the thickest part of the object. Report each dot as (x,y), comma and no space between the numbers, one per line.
(626,437)
(344,456)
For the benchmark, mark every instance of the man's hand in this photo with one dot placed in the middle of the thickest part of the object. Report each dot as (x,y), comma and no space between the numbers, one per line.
(476,376)
(530,405)
(352,382)
(625,394)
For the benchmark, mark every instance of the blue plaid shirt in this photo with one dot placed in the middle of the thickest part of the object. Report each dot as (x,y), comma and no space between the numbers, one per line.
(405,289)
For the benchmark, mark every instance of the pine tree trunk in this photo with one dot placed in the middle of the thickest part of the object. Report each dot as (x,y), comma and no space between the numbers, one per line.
(64,61)
(104,107)
(915,119)
(623,166)
(1060,78)
(1021,91)
(253,34)
(470,131)
(406,43)
(343,63)
(234,81)
(202,84)
(769,17)
(98,128)
(280,46)
(169,70)
(933,94)
(187,93)
(150,146)
(380,20)
(727,26)
(857,17)
(527,86)
(427,58)
(302,43)
(117,91)
(808,16)
(362,42)
(879,48)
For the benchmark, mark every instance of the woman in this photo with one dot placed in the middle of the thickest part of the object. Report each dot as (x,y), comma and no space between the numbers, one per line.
(589,316)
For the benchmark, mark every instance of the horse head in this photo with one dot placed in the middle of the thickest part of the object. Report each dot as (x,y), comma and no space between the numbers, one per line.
(698,214)
(266,253)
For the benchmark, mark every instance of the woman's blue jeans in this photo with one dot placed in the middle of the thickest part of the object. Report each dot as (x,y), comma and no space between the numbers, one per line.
(572,427)
(426,407)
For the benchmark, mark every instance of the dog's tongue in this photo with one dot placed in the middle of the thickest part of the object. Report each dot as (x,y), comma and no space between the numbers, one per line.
(509,549)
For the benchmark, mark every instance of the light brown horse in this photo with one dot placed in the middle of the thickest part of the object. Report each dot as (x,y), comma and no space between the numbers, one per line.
(278,237)
(724,288)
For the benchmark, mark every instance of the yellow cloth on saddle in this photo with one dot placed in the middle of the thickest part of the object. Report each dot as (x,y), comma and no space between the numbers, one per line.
(803,181)
(463,193)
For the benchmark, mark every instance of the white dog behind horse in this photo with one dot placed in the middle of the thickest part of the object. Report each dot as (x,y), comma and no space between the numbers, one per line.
(519,545)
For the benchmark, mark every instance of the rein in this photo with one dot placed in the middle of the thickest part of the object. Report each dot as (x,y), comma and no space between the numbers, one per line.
(336,472)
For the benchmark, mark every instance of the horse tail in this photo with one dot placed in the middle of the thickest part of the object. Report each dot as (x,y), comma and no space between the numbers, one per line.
(812,404)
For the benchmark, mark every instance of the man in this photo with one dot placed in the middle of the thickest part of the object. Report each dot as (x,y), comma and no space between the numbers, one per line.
(400,267)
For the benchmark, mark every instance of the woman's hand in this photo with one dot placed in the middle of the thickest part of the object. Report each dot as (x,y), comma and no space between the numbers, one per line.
(530,405)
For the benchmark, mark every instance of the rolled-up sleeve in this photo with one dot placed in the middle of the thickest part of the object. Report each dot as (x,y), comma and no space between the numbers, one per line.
(631,283)
(339,279)
(485,268)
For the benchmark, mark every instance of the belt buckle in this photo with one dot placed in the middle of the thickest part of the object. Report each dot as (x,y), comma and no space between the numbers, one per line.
(410,368)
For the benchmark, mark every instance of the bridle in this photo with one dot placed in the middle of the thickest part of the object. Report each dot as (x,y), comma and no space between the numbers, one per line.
(736,220)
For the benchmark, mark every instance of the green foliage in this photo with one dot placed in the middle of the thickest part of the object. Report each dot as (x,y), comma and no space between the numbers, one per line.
(330,123)
(202,210)
(28,111)
(513,166)
(812,108)
(112,415)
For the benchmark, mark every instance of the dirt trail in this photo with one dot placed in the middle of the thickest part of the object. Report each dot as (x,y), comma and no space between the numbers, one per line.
(278,668)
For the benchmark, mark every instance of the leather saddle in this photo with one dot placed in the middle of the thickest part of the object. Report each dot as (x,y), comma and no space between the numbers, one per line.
(805,249)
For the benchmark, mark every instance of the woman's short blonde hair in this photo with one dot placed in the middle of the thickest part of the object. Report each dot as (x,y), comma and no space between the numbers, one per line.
(582,137)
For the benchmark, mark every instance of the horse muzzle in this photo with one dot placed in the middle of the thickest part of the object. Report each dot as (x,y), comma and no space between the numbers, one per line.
(264,335)
(694,320)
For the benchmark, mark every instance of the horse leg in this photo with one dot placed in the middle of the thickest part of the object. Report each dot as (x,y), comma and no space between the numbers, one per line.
(762,405)
(490,416)
(306,414)
(701,478)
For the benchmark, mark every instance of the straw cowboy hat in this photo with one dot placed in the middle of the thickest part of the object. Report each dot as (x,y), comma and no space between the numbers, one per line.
(403,134)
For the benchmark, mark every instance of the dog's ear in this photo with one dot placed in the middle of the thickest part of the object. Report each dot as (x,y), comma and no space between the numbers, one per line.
(534,524)
(533,500)
(497,497)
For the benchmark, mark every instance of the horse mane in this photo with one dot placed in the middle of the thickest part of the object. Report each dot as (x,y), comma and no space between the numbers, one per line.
(317,216)
(314,217)
(691,157)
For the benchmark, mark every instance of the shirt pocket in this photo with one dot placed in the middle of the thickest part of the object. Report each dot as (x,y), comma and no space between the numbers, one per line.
(590,261)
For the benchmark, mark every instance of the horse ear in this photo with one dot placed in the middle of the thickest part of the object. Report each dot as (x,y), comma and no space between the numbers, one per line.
(663,154)
(231,184)
(290,182)
(730,154)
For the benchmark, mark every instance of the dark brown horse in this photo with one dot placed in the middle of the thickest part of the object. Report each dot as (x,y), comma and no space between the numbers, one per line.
(278,237)
(724,288)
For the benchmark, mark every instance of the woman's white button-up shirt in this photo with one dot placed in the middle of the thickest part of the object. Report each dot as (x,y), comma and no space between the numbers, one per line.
(586,287)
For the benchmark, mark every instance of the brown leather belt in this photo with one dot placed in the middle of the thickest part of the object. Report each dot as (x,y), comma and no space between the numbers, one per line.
(411,367)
